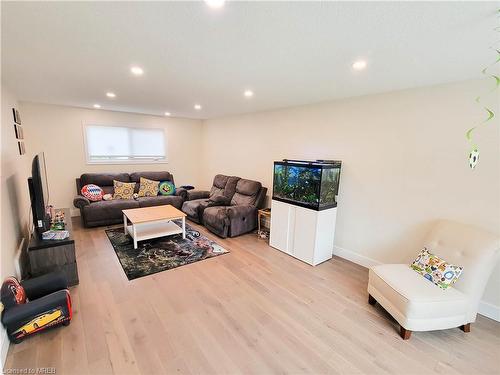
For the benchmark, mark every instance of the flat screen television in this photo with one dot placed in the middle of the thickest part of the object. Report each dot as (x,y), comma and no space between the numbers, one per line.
(39,194)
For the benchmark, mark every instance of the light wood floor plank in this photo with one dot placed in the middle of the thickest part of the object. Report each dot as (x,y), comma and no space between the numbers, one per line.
(253,311)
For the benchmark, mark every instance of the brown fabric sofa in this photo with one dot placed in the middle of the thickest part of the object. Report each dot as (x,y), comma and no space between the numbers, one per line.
(110,212)
(229,209)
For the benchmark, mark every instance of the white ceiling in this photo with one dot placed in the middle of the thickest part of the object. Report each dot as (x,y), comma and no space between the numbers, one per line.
(288,53)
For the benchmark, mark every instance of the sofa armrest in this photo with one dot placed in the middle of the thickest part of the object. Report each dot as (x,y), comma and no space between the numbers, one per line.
(197,194)
(43,285)
(18,315)
(181,192)
(80,201)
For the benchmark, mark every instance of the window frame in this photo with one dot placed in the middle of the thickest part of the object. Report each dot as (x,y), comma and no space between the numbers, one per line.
(89,161)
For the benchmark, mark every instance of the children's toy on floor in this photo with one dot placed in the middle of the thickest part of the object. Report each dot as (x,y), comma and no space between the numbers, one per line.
(35,305)
(263,234)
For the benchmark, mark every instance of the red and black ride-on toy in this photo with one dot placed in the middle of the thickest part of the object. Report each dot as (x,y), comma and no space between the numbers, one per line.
(34,305)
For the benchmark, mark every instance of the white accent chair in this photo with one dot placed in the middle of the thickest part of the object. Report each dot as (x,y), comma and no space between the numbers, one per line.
(419,305)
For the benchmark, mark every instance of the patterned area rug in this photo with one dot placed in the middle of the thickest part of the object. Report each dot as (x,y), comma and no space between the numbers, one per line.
(160,254)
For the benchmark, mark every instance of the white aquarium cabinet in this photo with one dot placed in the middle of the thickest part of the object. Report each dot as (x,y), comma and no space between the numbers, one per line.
(303,233)
(304,208)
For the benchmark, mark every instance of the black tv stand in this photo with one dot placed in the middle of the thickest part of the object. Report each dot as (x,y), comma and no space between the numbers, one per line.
(54,255)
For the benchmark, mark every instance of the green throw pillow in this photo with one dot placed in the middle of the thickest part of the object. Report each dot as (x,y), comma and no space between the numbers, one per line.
(166,188)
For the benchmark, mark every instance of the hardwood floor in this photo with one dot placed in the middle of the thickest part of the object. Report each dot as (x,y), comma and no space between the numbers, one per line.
(255,310)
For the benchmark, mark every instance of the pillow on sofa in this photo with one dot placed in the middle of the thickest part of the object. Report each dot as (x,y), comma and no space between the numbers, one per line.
(148,188)
(167,188)
(436,269)
(92,192)
(123,190)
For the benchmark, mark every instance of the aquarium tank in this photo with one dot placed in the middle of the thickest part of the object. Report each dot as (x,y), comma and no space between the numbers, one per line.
(310,184)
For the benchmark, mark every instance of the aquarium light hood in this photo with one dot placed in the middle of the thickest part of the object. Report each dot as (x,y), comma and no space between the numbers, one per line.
(313,162)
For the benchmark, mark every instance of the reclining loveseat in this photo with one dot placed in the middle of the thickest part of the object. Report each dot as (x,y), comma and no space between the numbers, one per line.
(229,209)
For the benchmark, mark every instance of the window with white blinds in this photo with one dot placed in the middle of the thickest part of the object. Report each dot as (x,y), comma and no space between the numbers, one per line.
(122,144)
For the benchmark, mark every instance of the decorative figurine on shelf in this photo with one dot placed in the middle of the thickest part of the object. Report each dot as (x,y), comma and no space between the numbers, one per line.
(58,221)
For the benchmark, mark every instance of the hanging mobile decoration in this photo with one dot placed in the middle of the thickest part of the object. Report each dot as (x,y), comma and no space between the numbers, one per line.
(474,150)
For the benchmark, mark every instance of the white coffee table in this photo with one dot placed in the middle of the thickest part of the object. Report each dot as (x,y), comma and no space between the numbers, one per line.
(153,222)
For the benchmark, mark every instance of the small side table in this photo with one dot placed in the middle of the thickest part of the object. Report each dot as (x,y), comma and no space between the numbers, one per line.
(266,213)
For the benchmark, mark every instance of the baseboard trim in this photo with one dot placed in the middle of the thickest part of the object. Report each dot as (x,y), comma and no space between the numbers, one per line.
(355,257)
(489,310)
(4,348)
(485,308)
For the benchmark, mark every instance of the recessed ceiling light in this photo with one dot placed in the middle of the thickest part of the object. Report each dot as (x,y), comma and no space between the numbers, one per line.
(97,106)
(215,3)
(197,107)
(359,65)
(111,95)
(248,93)
(167,113)
(137,70)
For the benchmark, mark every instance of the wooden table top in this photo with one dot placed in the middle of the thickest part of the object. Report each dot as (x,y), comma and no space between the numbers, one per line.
(145,214)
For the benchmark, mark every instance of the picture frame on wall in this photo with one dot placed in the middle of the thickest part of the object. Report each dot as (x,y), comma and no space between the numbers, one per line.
(20,145)
(17,116)
(19,131)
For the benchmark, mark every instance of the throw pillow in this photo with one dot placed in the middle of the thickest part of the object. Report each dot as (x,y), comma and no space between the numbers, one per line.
(167,188)
(92,192)
(436,269)
(123,190)
(12,293)
(148,188)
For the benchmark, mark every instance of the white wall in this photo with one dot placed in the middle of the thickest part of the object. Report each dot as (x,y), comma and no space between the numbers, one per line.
(14,219)
(404,160)
(58,132)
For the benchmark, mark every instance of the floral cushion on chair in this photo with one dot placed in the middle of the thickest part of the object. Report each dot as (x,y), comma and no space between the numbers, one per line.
(123,190)
(436,269)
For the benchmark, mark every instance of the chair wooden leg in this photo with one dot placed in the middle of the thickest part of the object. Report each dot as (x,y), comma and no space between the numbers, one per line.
(404,333)
(372,301)
(465,328)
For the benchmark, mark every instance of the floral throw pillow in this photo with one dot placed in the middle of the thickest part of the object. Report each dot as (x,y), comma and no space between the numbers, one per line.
(436,269)
(148,188)
(123,190)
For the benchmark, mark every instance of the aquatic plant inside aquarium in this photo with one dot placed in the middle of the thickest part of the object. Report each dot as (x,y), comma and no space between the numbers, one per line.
(310,184)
